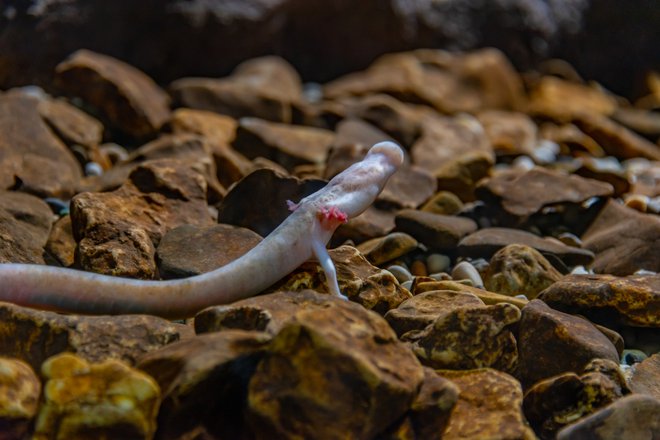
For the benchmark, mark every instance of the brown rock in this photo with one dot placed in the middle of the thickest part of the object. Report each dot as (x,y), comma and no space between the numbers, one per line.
(218,129)
(556,402)
(484,243)
(373,222)
(642,121)
(551,343)
(82,400)
(509,133)
(32,158)
(518,269)
(632,300)
(443,202)
(160,195)
(20,389)
(72,125)
(571,140)
(623,240)
(126,97)
(436,231)
(33,336)
(633,417)
(204,383)
(333,372)
(192,250)
(593,168)
(645,378)
(25,223)
(61,245)
(383,249)
(265,87)
(522,194)
(489,406)
(488,298)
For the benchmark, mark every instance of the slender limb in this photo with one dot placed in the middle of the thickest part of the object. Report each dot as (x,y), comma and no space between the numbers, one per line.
(321,254)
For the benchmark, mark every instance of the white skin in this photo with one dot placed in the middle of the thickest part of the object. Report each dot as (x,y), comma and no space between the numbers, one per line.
(302,235)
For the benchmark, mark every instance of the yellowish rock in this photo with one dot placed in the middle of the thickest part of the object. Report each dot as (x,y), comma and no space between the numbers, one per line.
(19,397)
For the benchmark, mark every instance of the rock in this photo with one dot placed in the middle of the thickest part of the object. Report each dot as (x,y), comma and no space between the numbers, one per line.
(518,269)
(373,222)
(443,202)
(571,140)
(466,272)
(509,133)
(487,297)
(632,300)
(204,382)
(219,129)
(83,399)
(73,126)
(556,402)
(258,201)
(61,245)
(441,232)
(25,223)
(128,98)
(484,243)
(489,406)
(374,288)
(265,87)
(32,158)
(340,369)
(635,417)
(33,336)
(623,240)
(551,343)
(160,195)
(645,377)
(20,389)
(390,247)
(641,121)
(603,170)
(190,250)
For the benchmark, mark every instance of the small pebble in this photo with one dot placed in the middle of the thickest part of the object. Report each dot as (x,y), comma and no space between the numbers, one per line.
(116,153)
(418,268)
(638,202)
(313,92)
(546,152)
(579,270)
(632,356)
(644,272)
(400,273)
(466,271)
(407,284)
(93,169)
(58,206)
(440,276)
(523,163)
(437,263)
(570,239)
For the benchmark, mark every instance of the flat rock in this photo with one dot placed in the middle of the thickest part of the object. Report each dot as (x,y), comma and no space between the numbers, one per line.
(82,399)
(190,250)
(32,158)
(20,389)
(522,194)
(485,242)
(489,406)
(383,249)
(339,368)
(265,87)
(631,417)
(441,232)
(203,382)
(159,195)
(645,377)
(219,129)
(509,133)
(488,298)
(25,223)
(551,343)
(72,125)
(624,240)
(127,97)
(632,300)
(373,222)
(33,336)
(519,270)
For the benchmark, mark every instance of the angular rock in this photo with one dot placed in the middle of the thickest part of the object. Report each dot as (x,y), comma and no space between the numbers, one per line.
(632,300)
(128,98)
(33,335)
(383,249)
(32,158)
(218,129)
(633,417)
(72,125)
(489,406)
(441,232)
(518,269)
(602,169)
(509,133)
(484,243)
(571,140)
(192,250)
(645,377)
(83,399)
(551,343)
(265,88)
(337,370)
(25,223)
(373,222)
(204,382)
(160,195)
(623,240)
(20,389)
(61,246)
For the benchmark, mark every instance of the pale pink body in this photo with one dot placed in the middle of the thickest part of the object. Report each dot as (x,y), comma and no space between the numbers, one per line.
(302,235)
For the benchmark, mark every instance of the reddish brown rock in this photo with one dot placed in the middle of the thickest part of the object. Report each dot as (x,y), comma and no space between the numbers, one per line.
(32,158)
(383,249)
(571,140)
(623,240)
(33,336)
(334,371)
(218,129)
(204,383)
(645,377)
(159,196)
(25,223)
(265,87)
(489,298)
(489,406)
(125,96)
(72,125)
(442,232)
(20,389)
(509,133)
(632,300)
(61,245)
(600,169)
(551,343)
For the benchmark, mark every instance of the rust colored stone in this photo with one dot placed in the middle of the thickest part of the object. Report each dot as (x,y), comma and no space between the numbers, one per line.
(25,222)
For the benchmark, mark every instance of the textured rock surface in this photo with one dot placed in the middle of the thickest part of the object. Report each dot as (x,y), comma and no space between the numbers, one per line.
(441,232)
(20,390)
(645,378)
(383,249)
(25,222)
